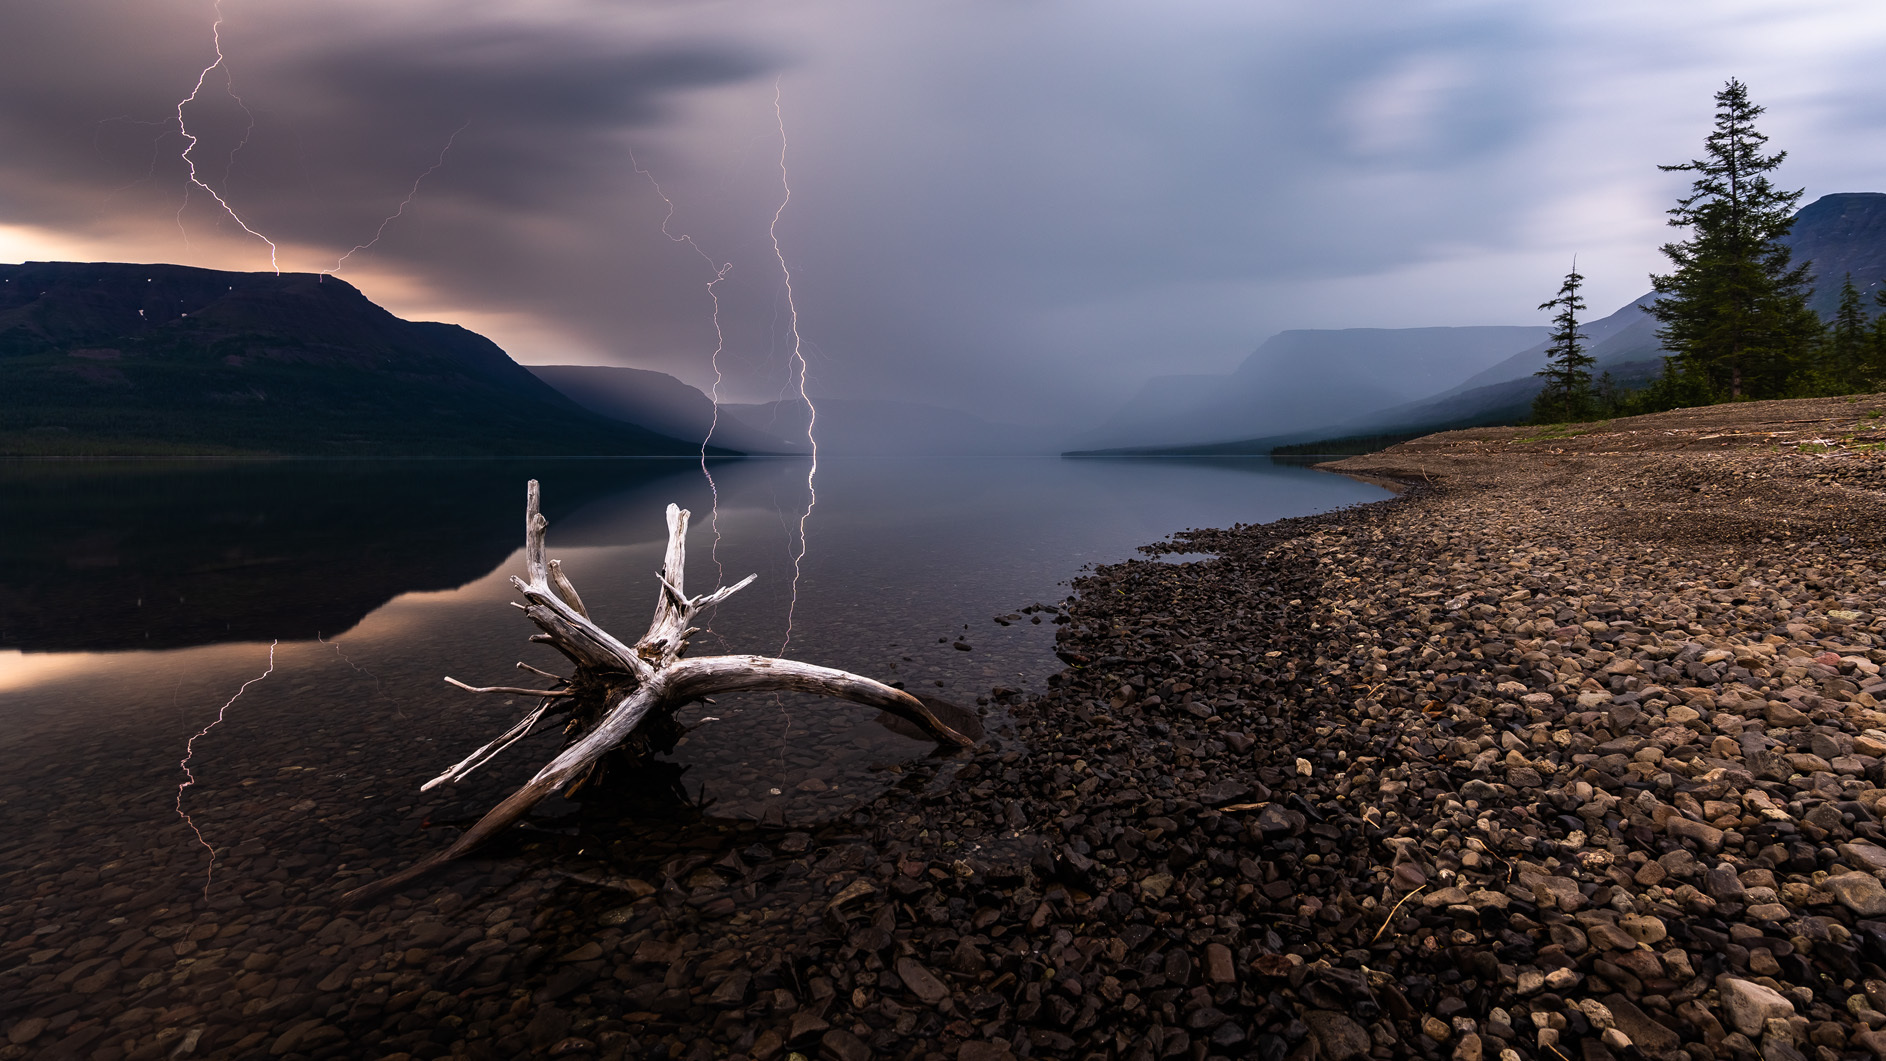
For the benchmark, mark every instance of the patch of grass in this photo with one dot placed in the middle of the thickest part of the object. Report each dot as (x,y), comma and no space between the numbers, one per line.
(1560,432)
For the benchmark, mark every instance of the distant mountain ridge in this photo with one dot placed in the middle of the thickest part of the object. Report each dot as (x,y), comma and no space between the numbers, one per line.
(99,358)
(1843,234)
(1305,377)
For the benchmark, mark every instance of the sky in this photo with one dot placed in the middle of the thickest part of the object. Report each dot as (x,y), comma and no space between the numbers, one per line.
(1022,208)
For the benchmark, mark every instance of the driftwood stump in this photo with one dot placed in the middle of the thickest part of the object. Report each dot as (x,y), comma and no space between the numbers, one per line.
(624,697)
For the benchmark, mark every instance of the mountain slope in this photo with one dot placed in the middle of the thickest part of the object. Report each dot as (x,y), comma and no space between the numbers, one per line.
(1843,234)
(121,358)
(659,402)
(1301,378)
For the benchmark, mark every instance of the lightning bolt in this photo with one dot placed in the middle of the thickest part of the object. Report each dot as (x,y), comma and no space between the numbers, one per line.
(720,346)
(798,356)
(183,127)
(403,203)
(189,750)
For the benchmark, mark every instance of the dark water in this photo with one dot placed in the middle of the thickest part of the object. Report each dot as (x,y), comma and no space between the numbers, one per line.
(137,598)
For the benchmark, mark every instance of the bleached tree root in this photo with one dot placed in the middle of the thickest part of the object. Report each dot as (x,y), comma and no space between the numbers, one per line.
(618,688)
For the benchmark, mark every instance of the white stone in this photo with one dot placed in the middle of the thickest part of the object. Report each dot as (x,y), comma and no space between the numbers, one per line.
(1750,1006)
(1861,893)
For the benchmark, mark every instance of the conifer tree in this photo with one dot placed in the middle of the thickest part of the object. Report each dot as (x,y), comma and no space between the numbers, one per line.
(1568,393)
(1734,310)
(1878,350)
(1848,361)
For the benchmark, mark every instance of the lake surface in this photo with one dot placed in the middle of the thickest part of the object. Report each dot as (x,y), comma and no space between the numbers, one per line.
(138,598)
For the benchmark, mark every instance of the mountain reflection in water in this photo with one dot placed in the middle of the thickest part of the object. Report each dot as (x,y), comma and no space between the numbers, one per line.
(103,556)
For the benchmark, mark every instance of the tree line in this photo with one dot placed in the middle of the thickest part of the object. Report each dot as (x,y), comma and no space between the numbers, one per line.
(1733,310)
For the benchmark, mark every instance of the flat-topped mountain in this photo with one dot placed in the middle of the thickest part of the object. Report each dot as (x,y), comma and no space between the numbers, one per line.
(104,358)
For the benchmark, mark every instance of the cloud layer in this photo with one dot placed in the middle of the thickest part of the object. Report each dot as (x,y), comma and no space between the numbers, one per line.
(1019,208)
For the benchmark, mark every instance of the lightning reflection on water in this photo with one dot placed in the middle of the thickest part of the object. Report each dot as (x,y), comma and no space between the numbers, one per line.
(189,751)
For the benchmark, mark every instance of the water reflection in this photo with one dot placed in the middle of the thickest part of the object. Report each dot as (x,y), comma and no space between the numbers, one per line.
(907,562)
(114,555)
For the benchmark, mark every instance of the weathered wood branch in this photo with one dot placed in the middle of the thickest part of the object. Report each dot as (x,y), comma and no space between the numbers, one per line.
(617,688)
(517,689)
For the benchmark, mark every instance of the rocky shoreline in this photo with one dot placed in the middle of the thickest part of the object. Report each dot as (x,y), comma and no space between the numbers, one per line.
(1574,751)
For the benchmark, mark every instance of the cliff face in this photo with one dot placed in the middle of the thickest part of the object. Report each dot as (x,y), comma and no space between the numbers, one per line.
(108,357)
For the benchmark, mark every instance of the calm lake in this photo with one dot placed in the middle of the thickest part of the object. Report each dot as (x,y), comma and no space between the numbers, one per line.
(137,598)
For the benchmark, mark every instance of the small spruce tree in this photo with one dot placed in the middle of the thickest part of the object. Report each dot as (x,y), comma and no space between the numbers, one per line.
(1568,393)
(1847,358)
(1876,352)
(1734,310)
(1606,397)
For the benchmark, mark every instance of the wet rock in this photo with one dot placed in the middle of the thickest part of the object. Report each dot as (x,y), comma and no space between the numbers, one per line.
(1337,1036)
(1648,1035)
(840,1045)
(26,1031)
(307,1035)
(805,1025)
(1276,821)
(1219,966)
(732,992)
(921,982)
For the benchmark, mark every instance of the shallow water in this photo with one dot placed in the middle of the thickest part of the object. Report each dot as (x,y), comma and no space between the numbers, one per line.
(137,598)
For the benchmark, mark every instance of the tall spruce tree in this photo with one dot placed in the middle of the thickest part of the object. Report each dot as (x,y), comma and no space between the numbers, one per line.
(1734,310)
(1568,393)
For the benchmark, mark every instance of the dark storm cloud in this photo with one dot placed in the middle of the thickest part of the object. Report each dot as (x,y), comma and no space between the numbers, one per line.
(327,111)
(553,82)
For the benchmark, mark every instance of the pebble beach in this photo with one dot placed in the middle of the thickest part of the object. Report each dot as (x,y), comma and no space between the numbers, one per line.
(1574,750)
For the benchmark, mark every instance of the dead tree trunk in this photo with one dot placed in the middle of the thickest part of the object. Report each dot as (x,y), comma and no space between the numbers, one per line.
(624,696)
